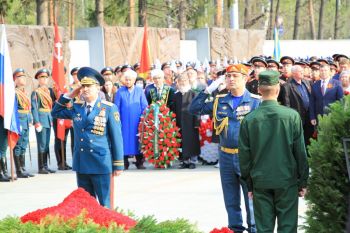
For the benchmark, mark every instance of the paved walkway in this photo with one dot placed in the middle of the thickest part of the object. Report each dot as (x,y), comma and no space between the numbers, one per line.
(167,194)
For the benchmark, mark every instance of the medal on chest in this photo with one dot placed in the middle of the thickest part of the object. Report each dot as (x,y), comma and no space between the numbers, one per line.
(241,111)
(99,123)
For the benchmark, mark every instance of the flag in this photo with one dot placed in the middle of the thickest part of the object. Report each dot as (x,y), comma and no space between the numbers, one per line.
(277,49)
(58,78)
(8,101)
(145,61)
(58,62)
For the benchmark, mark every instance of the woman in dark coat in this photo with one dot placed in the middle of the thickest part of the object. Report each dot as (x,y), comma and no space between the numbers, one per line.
(187,123)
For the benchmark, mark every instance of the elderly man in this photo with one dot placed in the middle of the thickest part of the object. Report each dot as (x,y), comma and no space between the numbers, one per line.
(98,146)
(131,102)
(296,95)
(272,159)
(159,91)
(228,111)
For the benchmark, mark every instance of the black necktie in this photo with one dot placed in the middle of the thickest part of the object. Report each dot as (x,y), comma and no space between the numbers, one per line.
(88,110)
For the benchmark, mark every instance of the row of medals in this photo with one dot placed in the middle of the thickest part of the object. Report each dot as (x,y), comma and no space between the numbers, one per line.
(99,123)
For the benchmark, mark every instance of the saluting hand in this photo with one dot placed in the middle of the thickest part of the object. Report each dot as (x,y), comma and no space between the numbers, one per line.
(117,172)
(75,92)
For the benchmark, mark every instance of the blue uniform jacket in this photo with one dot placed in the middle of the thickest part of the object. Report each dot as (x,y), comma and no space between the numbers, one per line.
(24,115)
(229,135)
(318,102)
(41,115)
(95,151)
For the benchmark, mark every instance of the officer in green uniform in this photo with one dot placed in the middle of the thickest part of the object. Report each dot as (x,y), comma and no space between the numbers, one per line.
(272,159)
(98,143)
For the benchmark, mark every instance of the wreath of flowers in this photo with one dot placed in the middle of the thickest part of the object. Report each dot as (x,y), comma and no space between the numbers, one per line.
(159,137)
(209,150)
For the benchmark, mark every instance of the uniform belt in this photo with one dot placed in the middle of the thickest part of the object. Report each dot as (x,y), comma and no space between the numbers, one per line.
(229,150)
(23,111)
(44,110)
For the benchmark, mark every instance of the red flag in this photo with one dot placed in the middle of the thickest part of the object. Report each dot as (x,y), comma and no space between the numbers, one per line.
(145,61)
(58,62)
(58,78)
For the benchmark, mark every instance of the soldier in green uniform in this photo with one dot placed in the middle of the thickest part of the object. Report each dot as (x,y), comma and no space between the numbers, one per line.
(272,159)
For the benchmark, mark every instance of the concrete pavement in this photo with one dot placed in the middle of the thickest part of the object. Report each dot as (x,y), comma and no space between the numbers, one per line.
(167,194)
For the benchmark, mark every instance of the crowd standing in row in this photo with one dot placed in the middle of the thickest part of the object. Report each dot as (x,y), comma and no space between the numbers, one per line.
(227,94)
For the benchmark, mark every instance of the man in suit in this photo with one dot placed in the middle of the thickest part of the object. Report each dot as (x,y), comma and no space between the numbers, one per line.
(324,92)
(296,94)
(98,145)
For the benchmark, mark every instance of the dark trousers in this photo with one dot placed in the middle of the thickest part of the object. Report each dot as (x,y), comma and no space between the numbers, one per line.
(3,138)
(98,185)
(58,143)
(43,140)
(282,204)
(22,143)
(231,186)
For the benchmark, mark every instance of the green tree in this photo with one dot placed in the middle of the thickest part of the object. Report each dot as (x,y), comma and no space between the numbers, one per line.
(328,188)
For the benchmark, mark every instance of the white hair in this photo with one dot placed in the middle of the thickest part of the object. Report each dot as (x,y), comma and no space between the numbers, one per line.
(345,72)
(296,68)
(130,74)
(157,73)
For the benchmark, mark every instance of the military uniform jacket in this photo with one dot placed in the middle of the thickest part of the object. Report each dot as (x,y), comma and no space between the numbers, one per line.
(41,101)
(98,143)
(23,106)
(272,151)
(226,119)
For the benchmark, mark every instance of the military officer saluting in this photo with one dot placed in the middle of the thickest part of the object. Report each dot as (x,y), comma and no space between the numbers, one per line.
(25,119)
(41,101)
(98,139)
(228,111)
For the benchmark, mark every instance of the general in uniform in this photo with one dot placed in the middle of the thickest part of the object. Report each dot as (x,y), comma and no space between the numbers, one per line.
(228,111)
(25,119)
(41,101)
(98,143)
(272,158)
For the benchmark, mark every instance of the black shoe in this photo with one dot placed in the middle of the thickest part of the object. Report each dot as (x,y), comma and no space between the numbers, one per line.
(140,167)
(184,165)
(60,168)
(68,167)
(22,175)
(50,170)
(43,171)
(192,166)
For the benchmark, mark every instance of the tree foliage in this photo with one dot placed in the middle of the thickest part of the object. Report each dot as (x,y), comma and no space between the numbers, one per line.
(328,188)
(199,13)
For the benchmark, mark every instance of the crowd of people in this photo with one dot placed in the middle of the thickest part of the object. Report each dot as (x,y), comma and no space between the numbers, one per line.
(104,120)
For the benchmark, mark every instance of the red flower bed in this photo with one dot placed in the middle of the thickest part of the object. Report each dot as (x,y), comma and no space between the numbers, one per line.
(222,230)
(160,139)
(74,204)
(205,130)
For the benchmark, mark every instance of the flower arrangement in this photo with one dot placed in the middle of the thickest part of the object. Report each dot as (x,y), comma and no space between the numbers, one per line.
(160,138)
(209,150)
(79,201)
(222,230)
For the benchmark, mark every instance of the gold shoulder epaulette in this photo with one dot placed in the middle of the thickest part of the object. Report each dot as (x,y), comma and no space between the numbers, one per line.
(107,103)
(221,95)
(79,102)
(255,96)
